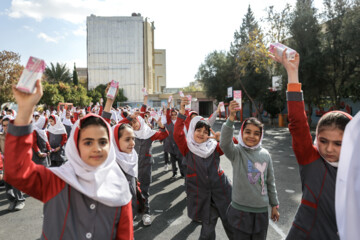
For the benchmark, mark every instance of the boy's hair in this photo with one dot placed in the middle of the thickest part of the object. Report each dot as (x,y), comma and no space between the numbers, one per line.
(126,114)
(92,121)
(201,124)
(255,122)
(52,118)
(122,127)
(333,120)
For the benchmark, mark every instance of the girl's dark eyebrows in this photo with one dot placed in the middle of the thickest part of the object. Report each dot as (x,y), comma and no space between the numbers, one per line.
(87,139)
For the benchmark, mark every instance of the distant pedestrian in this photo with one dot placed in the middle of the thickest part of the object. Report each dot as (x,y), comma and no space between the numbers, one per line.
(14,195)
(57,139)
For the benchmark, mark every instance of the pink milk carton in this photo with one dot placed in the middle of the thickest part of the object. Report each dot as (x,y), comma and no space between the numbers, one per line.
(181,94)
(170,99)
(237,98)
(222,106)
(279,47)
(32,72)
(112,90)
(154,115)
(144,91)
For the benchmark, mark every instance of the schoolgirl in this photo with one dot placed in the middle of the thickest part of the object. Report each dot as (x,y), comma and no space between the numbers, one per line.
(253,178)
(57,138)
(144,136)
(315,218)
(41,147)
(208,188)
(143,146)
(170,145)
(86,198)
(127,158)
(67,122)
(165,142)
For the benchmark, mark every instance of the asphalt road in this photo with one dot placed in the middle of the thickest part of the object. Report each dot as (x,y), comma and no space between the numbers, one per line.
(168,201)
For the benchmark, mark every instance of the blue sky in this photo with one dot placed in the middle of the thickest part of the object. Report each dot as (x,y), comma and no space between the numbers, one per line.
(55,30)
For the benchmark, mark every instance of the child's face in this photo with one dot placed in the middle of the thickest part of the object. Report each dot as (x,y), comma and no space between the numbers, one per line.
(251,135)
(5,125)
(94,145)
(127,140)
(329,143)
(52,122)
(173,115)
(135,124)
(37,117)
(201,135)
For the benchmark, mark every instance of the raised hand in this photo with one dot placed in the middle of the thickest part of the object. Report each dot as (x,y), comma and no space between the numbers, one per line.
(26,103)
(159,123)
(291,66)
(216,135)
(184,102)
(233,108)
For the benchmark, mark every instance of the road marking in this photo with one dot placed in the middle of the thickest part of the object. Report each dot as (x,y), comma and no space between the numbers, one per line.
(292,168)
(280,151)
(277,161)
(289,191)
(277,229)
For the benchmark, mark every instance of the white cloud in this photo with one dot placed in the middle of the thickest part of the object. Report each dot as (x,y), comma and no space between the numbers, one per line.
(47,38)
(74,11)
(30,29)
(81,31)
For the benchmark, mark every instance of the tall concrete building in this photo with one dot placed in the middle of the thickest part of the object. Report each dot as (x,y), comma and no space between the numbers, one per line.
(121,48)
(160,70)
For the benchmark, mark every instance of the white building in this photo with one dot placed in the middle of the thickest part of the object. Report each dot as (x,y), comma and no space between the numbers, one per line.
(121,48)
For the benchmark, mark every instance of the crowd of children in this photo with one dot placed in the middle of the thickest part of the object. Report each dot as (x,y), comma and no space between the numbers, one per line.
(92,167)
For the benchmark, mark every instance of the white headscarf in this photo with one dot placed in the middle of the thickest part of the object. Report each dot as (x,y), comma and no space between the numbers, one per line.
(127,161)
(241,142)
(347,194)
(204,149)
(40,126)
(58,128)
(67,121)
(105,183)
(145,131)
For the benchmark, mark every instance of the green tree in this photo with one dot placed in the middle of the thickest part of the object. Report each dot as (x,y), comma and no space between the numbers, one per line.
(94,95)
(58,73)
(274,103)
(351,35)
(75,76)
(251,62)
(216,75)
(51,95)
(305,32)
(10,71)
(341,48)
(79,96)
(99,92)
